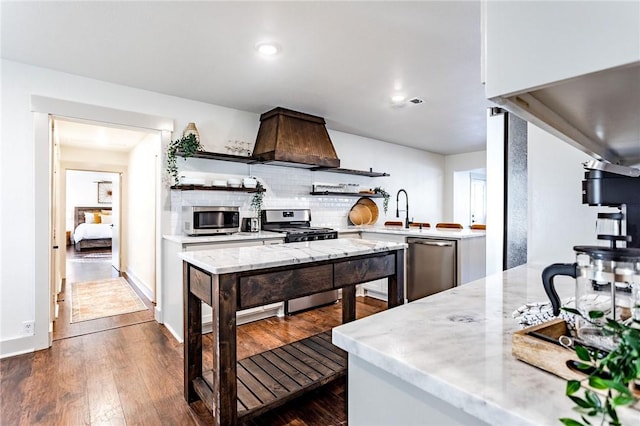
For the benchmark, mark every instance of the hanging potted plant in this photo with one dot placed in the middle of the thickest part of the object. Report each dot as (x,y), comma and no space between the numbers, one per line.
(187,146)
(385,196)
(257,200)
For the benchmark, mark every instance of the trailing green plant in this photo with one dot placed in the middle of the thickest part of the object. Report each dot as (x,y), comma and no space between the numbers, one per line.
(616,372)
(385,196)
(187,146)
(257,199)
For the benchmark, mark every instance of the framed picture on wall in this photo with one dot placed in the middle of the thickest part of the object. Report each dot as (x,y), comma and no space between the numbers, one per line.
(105,192)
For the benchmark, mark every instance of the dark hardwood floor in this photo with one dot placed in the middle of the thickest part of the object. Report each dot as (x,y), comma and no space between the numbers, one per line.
(132,374)
(89,265)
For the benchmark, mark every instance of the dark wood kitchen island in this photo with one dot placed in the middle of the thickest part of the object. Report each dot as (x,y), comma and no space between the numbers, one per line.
(234,278)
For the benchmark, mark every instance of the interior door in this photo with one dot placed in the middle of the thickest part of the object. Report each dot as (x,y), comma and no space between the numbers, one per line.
(54,271)
(116,213)
(478,200)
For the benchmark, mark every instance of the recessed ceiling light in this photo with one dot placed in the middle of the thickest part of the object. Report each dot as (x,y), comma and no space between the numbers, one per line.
(268,49)
(396,99)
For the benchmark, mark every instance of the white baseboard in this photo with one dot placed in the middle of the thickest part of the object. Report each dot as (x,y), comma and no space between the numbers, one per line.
(17,346)
(140,284)
(174,334)
(376,295)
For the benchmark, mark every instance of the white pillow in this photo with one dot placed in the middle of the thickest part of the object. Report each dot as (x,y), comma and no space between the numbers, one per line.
(89,217)
(106,218)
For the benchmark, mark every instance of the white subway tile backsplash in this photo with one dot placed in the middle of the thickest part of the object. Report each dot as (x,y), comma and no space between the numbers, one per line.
(287,187)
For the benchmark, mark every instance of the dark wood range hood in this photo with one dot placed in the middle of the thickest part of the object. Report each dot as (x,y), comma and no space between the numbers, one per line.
(292,138)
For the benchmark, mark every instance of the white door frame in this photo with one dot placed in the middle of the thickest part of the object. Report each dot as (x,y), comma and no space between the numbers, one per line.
(42,107)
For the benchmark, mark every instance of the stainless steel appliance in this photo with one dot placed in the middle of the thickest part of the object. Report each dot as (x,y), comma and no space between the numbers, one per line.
(296,225)
(607,278)
(431,267)
(250,224)
(205,220)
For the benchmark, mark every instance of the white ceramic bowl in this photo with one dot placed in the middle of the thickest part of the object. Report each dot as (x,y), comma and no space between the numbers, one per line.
(192,181)
(234,183)
(249,182)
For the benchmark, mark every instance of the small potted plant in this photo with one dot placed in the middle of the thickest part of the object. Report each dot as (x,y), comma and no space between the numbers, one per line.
(187,146)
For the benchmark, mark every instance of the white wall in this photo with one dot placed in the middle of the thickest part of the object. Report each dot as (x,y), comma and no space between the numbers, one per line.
(26,260)
(557,218)
(82,191)
(495,192)
(141,215)
(456,194)
(419,172)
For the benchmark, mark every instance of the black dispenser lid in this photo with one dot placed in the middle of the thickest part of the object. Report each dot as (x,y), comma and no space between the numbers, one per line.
(608,253)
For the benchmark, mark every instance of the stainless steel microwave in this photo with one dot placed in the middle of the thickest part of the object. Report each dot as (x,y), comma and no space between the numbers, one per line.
(201,220)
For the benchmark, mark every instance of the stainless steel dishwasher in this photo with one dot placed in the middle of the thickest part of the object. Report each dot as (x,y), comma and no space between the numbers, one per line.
(431,267)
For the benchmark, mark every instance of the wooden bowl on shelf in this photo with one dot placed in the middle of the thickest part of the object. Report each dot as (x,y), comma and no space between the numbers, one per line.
(372,207)
(360,215)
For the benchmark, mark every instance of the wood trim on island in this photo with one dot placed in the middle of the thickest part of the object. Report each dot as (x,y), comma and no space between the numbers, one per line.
(227,389)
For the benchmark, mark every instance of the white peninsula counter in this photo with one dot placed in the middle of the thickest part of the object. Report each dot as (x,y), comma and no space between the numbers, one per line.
(446,360)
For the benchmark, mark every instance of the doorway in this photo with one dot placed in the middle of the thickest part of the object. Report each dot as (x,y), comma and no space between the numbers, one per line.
(46,240)
(478,202)
(90,191)
(90,197)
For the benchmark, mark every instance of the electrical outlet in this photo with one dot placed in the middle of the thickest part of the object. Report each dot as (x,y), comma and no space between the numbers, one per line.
(27,328)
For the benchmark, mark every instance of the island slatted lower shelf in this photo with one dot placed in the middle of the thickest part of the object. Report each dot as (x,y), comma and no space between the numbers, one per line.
(272,378)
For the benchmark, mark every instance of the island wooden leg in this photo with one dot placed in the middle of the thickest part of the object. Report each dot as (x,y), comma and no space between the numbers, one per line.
(395,283)
(192,338)
(225,386)
(348,304)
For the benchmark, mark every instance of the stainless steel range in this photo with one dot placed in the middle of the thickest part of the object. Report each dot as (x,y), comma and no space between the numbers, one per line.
(296,225)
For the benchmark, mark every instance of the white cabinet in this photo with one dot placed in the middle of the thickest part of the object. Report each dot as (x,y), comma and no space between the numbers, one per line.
(534,44)
(171,308)
(571,68)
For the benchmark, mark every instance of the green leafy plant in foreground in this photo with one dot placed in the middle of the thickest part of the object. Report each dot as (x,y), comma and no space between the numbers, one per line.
(615,372)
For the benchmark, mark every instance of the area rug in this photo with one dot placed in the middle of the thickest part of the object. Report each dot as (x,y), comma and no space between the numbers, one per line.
(103,298)
(90,257)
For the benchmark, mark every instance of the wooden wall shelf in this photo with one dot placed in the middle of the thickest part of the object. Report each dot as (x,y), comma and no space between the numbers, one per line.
(215,188)
(219,156)
(369,173)
(250,160)
(346,194)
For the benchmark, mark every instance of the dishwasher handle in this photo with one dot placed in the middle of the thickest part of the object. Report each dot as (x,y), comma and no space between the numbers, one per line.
(432,243)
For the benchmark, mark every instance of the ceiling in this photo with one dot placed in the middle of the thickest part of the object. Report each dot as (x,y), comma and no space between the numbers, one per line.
(339,60)
(90,136)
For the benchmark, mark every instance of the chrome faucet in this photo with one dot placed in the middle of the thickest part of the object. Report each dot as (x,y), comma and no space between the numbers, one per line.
(406,206)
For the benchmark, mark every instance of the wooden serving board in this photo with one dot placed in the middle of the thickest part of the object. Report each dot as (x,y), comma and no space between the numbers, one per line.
(540,350)
(543,353)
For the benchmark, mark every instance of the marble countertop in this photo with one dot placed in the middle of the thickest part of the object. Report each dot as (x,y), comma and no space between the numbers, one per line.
(395,230)
(237,236)
(457,234)
(236,259)
(456,345)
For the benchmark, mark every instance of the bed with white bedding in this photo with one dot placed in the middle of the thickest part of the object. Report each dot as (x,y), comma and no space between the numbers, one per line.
(93,227)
